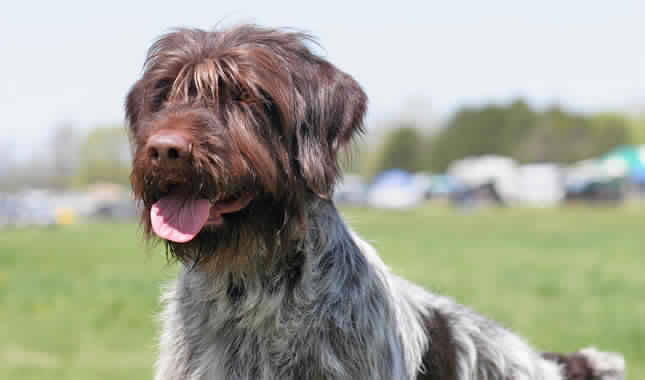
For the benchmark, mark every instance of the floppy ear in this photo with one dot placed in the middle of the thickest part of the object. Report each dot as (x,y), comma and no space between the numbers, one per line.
(335,109)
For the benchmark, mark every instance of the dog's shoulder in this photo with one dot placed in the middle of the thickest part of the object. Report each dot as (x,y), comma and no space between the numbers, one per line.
(430,347)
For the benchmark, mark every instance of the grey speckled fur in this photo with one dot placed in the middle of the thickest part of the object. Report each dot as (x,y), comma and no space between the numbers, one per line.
(276,287)
(345,316)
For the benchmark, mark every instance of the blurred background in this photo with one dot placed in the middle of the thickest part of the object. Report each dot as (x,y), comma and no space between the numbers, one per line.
(503,164)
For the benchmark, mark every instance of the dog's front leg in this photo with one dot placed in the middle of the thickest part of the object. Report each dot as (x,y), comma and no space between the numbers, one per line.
(174,356)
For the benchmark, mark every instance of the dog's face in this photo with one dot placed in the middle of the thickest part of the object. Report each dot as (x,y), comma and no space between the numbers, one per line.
(233,131)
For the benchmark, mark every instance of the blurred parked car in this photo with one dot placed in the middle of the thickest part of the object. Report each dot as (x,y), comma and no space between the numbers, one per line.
(351,190)
(395,189)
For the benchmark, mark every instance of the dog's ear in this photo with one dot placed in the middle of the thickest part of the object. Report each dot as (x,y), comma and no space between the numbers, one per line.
(335,108)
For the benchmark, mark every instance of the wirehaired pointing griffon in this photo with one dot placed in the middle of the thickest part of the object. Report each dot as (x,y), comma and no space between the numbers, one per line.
(236,134)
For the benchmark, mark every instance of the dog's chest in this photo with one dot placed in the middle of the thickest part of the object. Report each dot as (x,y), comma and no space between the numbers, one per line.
(250,333)
(270,346)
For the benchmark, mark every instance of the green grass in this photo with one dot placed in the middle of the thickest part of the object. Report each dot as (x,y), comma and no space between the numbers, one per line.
(80,302)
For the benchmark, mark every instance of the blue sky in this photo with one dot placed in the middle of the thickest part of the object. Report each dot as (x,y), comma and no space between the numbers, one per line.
(74,60)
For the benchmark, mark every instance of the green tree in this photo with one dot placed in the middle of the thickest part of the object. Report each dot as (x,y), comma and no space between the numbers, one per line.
(519,132)
(491,129)
(637,129)
(105,156)
(402,149)
(609,130)
(65,149)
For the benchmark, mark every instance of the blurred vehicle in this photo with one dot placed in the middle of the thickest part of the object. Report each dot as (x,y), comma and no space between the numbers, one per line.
(625,161)
(8,210)
(444,186)
(593,181)
(609,178)
(351,190)
(117,210)
(486,172)
(396,188)
(30,208)
(477,196)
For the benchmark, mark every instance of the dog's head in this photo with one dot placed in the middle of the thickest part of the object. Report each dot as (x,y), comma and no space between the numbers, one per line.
(233,131)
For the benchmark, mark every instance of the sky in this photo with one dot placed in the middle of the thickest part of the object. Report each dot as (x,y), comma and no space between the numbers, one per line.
(73,61)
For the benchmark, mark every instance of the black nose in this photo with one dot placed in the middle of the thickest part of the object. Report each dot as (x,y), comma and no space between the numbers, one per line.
(168,148)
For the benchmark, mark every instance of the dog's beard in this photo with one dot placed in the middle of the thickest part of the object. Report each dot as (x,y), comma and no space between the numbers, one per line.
(233,237)
(250,236)
(211,214)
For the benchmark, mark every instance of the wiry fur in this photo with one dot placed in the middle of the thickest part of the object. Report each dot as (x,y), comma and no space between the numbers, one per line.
(283,289)
(590,364)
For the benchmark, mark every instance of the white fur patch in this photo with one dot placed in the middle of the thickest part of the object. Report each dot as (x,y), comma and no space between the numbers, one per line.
(605,365)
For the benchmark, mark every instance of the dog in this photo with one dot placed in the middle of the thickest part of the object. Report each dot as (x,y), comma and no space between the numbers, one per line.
(236,136)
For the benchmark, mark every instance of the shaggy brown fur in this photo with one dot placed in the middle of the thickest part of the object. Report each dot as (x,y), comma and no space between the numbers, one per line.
(263,116)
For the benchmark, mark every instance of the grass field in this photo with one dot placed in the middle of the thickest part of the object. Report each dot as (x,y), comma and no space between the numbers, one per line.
(80,302)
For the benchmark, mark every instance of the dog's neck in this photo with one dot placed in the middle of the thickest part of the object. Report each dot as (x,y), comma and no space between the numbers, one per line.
(320,231)
(325,263)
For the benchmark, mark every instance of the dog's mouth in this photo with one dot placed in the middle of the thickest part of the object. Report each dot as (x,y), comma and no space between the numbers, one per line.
(178,219)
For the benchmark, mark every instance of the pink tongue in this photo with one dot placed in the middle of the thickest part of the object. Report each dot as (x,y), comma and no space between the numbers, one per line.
(179,220)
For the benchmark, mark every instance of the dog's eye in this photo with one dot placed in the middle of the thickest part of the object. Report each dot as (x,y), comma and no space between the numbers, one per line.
(160,94)
(243,96)
(192,90)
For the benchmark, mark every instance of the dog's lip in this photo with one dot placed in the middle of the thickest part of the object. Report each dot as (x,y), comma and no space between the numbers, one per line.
(227,206)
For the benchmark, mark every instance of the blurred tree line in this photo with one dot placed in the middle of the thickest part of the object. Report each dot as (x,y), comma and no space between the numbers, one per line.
(73,157)
(638,129)
(76,157)
(515,130)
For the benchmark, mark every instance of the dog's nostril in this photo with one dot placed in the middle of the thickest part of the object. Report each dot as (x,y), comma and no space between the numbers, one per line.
(166,147)
(154,154)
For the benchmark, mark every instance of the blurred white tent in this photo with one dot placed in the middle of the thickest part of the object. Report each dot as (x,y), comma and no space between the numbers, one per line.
(540,185)
(397,189)
(501,172)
